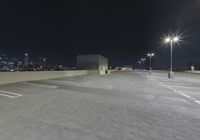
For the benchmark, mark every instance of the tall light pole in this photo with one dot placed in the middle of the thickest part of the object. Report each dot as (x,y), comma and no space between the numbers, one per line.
(26,59)
(171,40)
(150,55)
(139,62)
(143,59)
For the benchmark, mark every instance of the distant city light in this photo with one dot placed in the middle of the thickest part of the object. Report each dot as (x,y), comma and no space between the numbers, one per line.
(8,64)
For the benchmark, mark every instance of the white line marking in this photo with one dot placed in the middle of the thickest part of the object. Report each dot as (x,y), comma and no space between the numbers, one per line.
(198,102)
(184,87)
(186,95)
(12,94)
(176,91)
(8,96)
(40,85)
(191,92)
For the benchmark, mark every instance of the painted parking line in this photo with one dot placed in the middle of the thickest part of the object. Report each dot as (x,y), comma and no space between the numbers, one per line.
(9,94)
(177,91)
(185,87)
(39,85)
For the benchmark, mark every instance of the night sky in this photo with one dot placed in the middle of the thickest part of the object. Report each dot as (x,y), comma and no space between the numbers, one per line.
(123,31)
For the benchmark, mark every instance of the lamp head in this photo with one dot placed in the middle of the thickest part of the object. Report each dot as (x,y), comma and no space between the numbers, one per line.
(143,59)
(176,39)
(150,54)
(167,40)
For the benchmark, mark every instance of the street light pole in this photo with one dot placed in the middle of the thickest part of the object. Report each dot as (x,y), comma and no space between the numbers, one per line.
(150,57)
(150,63)
(143,65)
(171,58)
(143,59)
(171,39)
(26,59)
(139,62)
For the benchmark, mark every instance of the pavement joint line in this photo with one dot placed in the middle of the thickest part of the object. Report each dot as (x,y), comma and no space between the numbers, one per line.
(12,94)
(176,91)
(40,85)
(61,81)
(72,83)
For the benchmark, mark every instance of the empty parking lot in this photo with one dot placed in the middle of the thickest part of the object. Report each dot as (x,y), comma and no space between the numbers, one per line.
(120,106)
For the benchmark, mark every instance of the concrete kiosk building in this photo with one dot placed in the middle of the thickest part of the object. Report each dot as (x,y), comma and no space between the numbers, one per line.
(93,63)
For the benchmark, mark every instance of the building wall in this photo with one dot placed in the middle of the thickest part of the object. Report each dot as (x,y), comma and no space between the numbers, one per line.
(103,63)
(92,62)
(13,77)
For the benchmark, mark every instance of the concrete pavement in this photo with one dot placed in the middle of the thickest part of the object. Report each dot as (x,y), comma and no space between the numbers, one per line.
(120,106)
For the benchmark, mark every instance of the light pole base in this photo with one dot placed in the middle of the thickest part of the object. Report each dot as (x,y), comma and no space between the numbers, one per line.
(171,74)
(150,72)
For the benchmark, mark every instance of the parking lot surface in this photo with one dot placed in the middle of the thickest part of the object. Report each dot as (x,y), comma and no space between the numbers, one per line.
(121,106)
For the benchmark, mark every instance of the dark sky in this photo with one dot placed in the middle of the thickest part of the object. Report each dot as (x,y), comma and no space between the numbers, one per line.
(123,31)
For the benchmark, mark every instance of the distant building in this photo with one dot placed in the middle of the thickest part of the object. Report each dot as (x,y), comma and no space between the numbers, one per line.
(93,63)
(125,68)
(128,68)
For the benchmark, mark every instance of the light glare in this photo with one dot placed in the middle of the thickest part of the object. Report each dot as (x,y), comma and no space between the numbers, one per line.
(175,39)
(150,54)
(172,39)
(143,59)
(167,40)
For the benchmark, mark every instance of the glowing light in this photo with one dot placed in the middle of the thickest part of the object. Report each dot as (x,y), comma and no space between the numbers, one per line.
(171,39)
(150,54)
(167,40)
(143,59)
(176,39)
